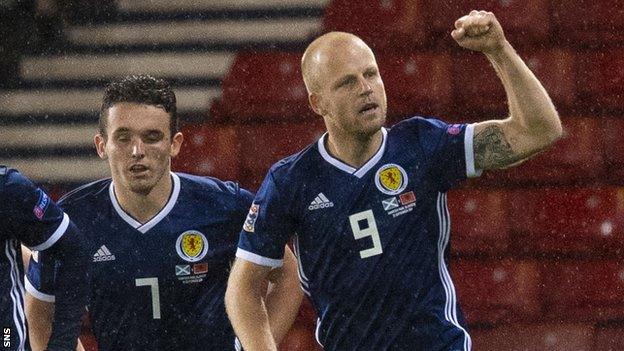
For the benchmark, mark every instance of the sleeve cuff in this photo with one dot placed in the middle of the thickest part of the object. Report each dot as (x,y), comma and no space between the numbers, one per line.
(58,233)
(257,259)
(36,293)
(471,172)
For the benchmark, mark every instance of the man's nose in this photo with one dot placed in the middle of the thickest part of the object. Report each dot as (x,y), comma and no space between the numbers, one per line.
(138,149)
(365,86)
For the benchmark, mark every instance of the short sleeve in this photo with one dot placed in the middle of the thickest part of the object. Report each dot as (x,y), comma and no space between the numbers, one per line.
(448,149)
(41,276)
(267,227)
(31,215)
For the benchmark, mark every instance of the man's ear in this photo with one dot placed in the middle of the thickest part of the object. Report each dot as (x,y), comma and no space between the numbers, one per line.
(176,144)
(316,104)
(100,145)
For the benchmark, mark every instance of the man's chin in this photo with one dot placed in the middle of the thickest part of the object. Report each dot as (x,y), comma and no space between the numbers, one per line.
(142,187)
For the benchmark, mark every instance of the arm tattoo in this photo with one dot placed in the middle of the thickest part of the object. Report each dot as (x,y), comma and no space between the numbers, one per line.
(492,149)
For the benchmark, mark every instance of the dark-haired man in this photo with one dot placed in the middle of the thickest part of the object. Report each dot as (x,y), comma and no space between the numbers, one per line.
(162,242)
(30,217)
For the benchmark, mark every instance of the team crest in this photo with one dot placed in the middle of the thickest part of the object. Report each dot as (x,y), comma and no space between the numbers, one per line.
(391,179)
(192,246)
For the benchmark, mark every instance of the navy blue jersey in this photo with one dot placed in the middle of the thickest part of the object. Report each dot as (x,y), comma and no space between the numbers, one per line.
(28,216)
(158,285)
(372,243)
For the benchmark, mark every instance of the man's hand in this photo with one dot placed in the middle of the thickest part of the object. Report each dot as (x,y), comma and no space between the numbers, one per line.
(479,31)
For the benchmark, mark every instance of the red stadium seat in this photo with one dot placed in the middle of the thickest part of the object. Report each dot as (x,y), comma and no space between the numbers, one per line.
(568,220)
(589,22)
(609,339)
(300,338)
(417,83)
(57,191)
(306,315)
(385,25)
(614,148)
(520,337)
(576,158)
(301,335)
(524,22)
(479,221)
(86,334)
(264,144)
(601,79)
(209,149)
(583,291)
(478,90)
(497,291)
(555,69)
(265,86)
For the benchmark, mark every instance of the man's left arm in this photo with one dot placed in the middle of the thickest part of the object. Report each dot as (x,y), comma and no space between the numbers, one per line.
(71,289)
(533,123)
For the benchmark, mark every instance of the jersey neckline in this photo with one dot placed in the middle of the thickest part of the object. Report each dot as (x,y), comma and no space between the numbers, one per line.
(143,228)
(358,172)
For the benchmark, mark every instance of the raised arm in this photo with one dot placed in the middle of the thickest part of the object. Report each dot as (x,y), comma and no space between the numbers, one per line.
(533,123)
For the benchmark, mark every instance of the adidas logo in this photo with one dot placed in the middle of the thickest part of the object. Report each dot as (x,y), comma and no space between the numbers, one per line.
(103,255)
(321,201)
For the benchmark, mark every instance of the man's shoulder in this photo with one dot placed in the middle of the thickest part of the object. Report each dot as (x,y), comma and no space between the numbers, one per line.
(83,196)
(208,186)
(295,166)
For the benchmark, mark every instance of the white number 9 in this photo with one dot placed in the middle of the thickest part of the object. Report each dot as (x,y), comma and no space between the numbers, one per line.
(369,230)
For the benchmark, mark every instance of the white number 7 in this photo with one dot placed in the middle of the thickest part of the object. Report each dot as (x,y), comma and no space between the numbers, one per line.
(369,230)
(153,283)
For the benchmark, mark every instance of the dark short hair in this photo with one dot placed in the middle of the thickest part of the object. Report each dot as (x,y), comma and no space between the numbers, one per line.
(140,89)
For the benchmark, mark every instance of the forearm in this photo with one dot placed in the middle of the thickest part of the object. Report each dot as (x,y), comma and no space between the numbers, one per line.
(284,297)
(39,314)
(247,311)
(531,109)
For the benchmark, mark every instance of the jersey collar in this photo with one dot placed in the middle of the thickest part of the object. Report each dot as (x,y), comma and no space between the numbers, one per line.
(359,172)
(143,228)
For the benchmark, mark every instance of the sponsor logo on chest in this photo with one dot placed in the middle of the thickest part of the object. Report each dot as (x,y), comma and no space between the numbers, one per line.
(321,201)
(103,254)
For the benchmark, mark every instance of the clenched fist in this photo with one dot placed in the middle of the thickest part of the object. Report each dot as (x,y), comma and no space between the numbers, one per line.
(479,31)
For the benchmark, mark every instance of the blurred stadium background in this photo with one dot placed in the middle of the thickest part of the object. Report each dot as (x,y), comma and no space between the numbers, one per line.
(537,250)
